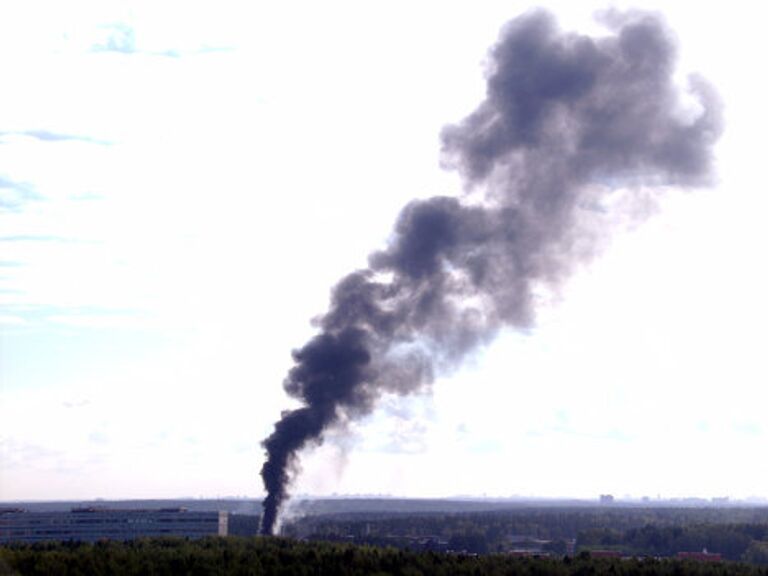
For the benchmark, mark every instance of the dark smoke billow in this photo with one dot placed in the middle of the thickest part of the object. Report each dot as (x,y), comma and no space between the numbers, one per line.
(566,118)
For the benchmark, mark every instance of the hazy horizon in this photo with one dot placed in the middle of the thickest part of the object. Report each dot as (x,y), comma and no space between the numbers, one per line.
(596,500)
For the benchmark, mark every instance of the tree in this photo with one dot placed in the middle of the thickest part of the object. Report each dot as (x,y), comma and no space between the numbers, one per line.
(757,553)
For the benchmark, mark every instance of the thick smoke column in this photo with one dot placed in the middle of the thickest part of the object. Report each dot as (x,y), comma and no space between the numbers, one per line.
(566,118)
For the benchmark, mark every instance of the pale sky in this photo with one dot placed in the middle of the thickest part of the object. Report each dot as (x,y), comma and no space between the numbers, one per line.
(182,183)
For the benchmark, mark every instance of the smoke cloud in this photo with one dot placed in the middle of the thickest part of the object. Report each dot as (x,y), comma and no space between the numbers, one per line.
(566,119)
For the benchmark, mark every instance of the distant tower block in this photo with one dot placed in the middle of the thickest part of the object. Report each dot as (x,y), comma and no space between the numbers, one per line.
(606,499)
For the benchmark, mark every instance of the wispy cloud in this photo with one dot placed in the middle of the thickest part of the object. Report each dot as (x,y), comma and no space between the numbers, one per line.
(36,238)
(12,320)
(75,404)
(121,38)
(118,37)
(43,135)
(18,453)
(14,195)
(102,321)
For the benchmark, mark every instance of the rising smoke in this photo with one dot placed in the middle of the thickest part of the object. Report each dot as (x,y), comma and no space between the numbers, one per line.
(566,119)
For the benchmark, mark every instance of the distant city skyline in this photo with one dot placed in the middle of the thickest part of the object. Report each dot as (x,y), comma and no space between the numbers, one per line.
(252,505)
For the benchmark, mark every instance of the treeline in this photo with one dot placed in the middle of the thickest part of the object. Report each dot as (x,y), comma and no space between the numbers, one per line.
(736,533)
(278,556)
(747,542)
(545,523)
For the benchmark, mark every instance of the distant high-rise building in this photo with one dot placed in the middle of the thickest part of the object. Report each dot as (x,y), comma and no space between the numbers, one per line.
(606,499)
(93,524)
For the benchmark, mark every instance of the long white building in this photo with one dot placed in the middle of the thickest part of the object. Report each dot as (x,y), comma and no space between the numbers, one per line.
(93,524)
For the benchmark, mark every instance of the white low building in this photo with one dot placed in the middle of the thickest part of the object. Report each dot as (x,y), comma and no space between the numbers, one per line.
(93,524)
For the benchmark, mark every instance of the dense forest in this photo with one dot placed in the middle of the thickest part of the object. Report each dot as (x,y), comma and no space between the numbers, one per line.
(738,534)
(431,537)
(280,556)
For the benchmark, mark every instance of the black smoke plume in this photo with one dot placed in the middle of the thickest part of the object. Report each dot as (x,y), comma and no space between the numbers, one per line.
(566,119)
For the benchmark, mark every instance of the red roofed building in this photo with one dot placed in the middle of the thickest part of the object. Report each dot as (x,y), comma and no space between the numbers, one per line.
(605,554)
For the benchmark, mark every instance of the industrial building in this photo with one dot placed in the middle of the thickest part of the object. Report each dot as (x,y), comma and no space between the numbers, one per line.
(92,524)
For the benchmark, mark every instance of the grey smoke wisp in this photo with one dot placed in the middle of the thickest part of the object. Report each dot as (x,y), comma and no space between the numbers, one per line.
(566,119)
